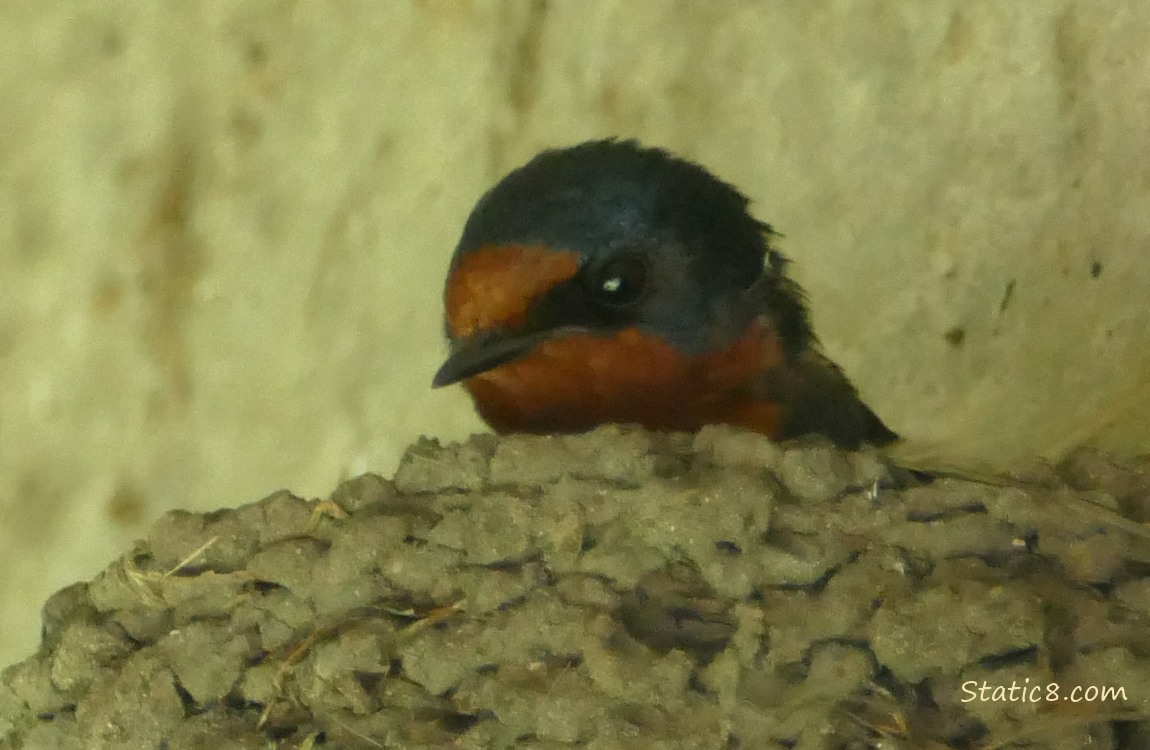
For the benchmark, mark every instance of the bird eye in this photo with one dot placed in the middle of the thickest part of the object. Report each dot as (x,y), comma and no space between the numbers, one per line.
(620,281)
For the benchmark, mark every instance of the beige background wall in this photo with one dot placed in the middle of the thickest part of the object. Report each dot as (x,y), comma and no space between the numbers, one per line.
(223,225)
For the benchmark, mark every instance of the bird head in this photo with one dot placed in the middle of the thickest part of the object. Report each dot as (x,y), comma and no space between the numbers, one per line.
(605,237)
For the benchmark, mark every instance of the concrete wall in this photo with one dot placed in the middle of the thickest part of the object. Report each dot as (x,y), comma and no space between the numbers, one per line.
(223,226)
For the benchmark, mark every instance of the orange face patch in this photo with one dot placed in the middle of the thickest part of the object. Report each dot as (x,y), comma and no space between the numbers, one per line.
(577,381)
(492,287)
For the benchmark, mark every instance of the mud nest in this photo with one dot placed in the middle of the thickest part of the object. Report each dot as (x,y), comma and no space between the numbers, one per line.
(620,589)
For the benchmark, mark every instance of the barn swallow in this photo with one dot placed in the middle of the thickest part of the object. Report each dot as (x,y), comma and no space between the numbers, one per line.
(613,283)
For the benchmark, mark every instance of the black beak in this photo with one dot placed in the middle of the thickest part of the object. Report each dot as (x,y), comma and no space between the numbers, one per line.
(477,354)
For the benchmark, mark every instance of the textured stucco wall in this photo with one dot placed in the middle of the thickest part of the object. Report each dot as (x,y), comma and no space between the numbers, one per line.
(223,225)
